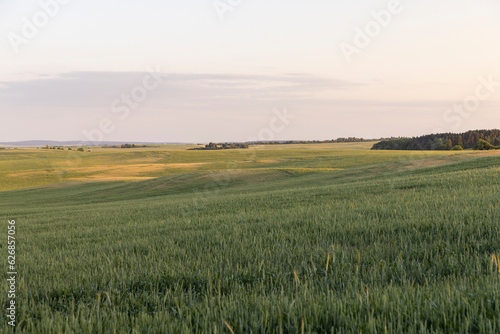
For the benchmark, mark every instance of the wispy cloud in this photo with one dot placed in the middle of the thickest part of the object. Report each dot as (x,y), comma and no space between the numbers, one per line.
(98,89)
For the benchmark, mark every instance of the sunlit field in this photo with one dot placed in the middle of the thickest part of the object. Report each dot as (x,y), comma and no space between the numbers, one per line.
(24,168)
(323,238)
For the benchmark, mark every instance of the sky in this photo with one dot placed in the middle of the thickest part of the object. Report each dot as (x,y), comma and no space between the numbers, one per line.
(239,70)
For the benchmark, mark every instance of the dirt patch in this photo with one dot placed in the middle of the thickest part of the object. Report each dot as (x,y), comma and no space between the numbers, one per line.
(186,165)
(113,172)
(100,178)
(487,153)
(145,159)
(271,161)
(129,172)
(120,170)
(32,173)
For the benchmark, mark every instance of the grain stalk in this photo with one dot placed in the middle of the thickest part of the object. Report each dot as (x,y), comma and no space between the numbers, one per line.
(495,263)
(327,262)
(228,326)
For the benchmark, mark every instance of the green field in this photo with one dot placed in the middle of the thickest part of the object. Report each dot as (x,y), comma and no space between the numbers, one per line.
(330,238)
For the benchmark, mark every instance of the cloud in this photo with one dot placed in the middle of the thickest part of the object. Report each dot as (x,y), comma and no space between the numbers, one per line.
(99,89)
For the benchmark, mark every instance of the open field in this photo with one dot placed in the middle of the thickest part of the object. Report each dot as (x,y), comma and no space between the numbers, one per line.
(275,239)
(25,168)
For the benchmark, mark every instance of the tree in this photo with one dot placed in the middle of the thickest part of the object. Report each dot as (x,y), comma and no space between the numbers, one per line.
(448,144)
(437,144)
(483,145)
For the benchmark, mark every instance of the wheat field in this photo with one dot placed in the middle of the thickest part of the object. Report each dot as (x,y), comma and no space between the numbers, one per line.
(326,238)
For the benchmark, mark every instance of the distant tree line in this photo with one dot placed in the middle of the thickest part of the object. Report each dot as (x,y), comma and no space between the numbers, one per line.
(124,146)
(221,146)
(47,147)
(338,140)
(476,139)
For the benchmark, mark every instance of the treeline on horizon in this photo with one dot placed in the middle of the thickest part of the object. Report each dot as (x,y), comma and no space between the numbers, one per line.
(338,140)
(220,146)
(124,146)
(475,139)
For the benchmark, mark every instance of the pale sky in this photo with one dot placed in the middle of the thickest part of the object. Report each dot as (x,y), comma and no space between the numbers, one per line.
(65,68)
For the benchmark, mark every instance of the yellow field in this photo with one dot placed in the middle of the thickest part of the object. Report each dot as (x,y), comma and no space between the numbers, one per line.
(26,167)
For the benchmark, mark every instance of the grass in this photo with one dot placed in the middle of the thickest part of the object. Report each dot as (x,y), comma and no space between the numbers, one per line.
(24,168)
(313,239)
